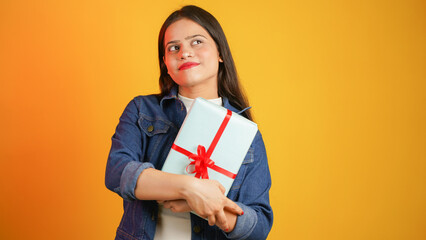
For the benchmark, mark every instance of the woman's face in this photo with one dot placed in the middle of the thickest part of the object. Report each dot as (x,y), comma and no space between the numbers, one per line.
(191,56)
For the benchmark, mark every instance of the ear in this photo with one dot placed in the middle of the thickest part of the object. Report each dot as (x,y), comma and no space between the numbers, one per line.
(218,56)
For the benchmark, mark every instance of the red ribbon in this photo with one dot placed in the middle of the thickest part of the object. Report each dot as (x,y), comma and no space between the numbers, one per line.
(201,160)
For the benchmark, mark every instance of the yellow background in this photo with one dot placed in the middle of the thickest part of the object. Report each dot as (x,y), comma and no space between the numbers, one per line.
(337,87)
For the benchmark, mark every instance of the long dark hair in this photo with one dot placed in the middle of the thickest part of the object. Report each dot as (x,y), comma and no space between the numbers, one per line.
(228,83)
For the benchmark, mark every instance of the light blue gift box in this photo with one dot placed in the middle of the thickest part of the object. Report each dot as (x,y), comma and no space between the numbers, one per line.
(199,128)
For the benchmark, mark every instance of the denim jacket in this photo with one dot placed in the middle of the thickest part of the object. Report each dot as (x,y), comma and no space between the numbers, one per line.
(143,138)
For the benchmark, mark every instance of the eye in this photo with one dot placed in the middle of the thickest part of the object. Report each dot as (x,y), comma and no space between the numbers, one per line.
(173,48)
(196,42)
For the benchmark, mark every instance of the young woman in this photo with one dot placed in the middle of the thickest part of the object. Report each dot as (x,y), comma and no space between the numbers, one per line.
(195,61)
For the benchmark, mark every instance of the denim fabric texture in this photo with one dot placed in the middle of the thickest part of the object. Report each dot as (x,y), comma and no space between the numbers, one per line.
(143,138)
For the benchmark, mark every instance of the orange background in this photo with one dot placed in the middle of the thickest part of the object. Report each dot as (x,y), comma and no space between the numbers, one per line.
(337,87)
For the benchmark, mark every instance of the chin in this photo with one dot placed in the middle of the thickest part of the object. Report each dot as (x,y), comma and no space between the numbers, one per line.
(188,82)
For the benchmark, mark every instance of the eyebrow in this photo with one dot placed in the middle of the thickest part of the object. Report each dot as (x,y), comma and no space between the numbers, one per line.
(189,37)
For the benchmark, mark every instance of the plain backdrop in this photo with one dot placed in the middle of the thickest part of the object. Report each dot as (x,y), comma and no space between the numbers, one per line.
(337,88)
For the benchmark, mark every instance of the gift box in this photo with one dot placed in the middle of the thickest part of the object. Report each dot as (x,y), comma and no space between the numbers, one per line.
(211,143)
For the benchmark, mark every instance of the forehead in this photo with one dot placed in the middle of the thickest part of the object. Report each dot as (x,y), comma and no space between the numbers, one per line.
(183,28)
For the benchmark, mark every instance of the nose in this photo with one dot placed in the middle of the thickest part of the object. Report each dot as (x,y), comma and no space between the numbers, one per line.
(186,52)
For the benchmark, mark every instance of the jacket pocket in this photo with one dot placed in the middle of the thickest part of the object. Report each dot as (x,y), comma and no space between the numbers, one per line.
(159,135)
(152,126)
(249,158)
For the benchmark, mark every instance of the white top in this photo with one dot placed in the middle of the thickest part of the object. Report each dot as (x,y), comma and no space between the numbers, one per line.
(188,101)
(172,225)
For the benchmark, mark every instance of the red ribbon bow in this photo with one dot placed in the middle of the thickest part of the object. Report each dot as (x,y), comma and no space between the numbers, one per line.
(201,160)
(201,163)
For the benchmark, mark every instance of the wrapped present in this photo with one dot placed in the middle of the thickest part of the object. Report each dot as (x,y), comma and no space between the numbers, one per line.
(211,143)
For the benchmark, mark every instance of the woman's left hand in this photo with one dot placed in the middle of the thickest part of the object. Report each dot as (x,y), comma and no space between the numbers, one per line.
(177,205)
(182,206)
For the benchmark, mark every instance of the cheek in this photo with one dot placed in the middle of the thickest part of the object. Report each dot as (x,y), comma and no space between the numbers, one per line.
(206,53)
(169,64)
(209,56)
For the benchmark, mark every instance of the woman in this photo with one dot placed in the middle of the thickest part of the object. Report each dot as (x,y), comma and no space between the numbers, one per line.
(195,61)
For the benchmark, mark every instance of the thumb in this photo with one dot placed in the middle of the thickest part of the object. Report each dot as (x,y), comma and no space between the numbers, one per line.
(232,207)
(222,188)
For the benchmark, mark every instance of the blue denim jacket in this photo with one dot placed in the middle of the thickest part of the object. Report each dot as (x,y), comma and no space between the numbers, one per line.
(143,138)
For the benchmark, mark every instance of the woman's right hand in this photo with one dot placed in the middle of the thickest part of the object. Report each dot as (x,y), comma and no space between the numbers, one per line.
(206,198)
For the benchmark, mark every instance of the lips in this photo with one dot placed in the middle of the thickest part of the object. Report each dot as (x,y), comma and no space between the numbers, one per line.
(188,65)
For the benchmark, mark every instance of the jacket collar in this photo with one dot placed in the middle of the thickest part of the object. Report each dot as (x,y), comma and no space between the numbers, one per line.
(172,95)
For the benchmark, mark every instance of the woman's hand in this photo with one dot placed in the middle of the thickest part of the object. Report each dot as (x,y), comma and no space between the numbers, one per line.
(207,199)
(182,206)
(176,205)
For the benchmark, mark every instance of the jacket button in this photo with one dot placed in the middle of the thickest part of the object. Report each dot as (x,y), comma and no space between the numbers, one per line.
(150,128)
(196,229)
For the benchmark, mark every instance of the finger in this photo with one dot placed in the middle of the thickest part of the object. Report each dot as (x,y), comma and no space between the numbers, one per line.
(222,221)
(222,189)
(176,206)
(167,204)
(184,207)
(212,220)
(232,207)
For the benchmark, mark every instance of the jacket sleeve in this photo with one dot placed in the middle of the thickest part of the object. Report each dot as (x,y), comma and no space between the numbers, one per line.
(253,198)
(124,163)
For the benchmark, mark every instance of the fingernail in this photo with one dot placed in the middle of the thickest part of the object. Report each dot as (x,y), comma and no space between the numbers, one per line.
(242,213)
(226,230)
